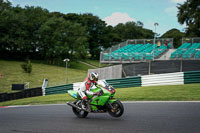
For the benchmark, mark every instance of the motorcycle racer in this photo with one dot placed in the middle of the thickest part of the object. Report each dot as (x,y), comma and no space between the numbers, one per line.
(86,86)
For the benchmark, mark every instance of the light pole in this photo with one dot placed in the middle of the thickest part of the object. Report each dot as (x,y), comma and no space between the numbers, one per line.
(155,24)
(66,76)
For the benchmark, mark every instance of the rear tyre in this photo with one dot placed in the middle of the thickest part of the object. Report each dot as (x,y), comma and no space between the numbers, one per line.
(77,112)
(118,109)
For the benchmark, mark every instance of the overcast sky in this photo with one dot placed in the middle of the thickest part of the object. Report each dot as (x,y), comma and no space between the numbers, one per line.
(113,12)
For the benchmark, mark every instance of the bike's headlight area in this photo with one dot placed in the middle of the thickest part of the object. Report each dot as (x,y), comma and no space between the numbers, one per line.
(111,89)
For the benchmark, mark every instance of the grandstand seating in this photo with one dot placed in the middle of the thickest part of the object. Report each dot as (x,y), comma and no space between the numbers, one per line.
(144,50)
(197,54)
(136,52)
(187,51)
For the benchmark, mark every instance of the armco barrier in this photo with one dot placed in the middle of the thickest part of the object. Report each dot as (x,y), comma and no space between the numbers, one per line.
(58,89)
(177,78)
(147,80)
(76,86)
(117,83)
(125,82)
(191,77)
(163,79)
(21,94)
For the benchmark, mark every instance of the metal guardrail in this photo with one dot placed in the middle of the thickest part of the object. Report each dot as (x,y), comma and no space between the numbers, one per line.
(21,94)
(163,79)
(58,89)
(147,80)
(125,82)
(117,83)
(191,77)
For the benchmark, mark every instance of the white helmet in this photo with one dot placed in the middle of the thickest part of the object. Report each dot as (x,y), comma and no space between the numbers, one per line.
(93,76)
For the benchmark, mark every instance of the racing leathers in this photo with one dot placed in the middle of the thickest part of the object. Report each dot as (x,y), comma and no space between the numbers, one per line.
(85,87)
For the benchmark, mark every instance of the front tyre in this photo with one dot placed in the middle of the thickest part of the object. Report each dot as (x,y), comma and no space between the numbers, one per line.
(118,109)
(77,112)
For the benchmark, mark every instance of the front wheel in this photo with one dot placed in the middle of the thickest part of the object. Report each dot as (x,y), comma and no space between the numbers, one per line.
(77,112)
(117,109)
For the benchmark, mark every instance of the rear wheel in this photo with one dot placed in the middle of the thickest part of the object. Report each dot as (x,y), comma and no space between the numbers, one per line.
(77,112)
(117,110)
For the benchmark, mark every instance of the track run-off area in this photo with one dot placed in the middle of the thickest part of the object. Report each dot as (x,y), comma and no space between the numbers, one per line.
(138,117)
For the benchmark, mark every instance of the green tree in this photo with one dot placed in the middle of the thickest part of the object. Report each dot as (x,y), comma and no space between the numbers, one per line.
(4,5)
(147,34)
(61,39)
(34,19)
(188,13)
(11,32)
(176,35)
(109,37)
(95,29)
(132,30)
(36,33)
(27,67)
(19,27)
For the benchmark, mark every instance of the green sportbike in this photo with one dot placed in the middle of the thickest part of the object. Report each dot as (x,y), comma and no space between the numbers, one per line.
(102,103)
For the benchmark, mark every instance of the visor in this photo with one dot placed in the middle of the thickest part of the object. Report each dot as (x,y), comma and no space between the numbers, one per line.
(95,79)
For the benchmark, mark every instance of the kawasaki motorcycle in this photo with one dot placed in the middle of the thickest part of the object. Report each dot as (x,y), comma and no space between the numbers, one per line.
(102,103)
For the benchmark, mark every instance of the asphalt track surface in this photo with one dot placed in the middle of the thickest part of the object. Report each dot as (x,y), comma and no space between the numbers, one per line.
(139,117)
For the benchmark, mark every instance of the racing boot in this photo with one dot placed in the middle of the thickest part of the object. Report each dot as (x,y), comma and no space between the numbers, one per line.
(84,104)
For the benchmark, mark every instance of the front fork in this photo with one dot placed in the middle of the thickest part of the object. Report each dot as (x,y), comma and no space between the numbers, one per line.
(109,104)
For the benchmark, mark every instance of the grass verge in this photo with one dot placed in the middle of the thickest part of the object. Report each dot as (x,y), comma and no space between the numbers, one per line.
(187,92)
(95,63)
(13,74)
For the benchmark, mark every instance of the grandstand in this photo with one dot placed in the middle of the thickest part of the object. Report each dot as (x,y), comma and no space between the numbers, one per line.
(190,49)
(142,57)
(144,50)
(137,50)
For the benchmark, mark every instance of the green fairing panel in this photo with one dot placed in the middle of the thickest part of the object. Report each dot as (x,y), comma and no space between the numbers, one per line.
(101,100)
(106,92)
(73,93)
(94,107)
(112,100)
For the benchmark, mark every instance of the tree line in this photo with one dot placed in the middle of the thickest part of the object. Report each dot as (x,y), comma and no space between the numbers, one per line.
(35,33)
(188,14)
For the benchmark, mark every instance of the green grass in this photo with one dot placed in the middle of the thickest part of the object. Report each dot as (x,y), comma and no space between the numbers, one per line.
(160,93)
(71,64)
(187,92)
(95,63)
(13,74)
(80,66)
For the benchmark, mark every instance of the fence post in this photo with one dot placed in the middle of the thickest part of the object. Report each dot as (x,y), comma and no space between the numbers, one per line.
(149,67)
(181,65)
(44,85)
